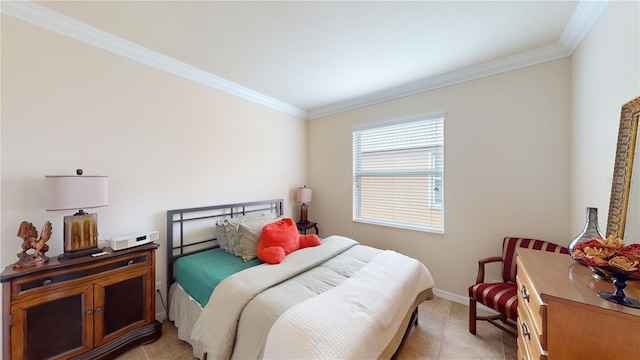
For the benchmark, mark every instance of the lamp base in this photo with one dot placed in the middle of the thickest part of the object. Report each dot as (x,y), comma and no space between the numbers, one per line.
(78,253)
(80,232)
(303,213)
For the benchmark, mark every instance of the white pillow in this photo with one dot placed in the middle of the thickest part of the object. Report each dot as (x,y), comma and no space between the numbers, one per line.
(233,236)
(249,236)
(221,235)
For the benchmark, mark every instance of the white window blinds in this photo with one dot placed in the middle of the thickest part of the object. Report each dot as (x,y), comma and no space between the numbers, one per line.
(398,174)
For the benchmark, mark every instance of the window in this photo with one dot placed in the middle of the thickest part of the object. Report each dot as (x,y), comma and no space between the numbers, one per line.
(397,173)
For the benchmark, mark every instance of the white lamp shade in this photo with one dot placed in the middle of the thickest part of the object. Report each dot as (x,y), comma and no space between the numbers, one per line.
(76,192)
(303,195)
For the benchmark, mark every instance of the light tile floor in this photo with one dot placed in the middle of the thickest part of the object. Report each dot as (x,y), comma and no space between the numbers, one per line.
(442,333)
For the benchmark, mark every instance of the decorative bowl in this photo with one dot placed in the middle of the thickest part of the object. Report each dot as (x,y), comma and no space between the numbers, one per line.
(610,258)
(620,278)
(615,273)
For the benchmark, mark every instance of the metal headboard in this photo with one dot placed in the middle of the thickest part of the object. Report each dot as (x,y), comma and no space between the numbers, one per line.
(179,245)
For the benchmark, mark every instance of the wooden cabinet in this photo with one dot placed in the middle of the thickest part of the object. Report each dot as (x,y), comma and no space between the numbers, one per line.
(560,315)
(84,308)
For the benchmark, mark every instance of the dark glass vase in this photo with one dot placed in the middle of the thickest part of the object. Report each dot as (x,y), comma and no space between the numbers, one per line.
(591,229)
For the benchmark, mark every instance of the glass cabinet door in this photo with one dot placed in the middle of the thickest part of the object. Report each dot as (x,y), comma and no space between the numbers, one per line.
(53,325)
(122,304)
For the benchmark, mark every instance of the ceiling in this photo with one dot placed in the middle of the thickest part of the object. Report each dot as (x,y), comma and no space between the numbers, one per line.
(313,58)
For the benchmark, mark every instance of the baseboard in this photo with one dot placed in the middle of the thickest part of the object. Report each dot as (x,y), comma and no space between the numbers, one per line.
(459,299)
(161,316)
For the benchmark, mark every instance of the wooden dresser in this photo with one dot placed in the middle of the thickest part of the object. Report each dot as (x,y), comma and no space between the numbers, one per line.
(84,308)
(560,316)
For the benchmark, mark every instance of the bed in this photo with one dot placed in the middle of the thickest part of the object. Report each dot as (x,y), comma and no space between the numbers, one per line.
(338,300)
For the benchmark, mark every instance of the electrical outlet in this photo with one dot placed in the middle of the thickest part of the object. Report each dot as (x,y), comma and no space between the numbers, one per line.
(158,285)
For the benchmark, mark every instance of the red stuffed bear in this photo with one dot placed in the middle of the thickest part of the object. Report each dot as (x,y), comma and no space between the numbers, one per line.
(281,238)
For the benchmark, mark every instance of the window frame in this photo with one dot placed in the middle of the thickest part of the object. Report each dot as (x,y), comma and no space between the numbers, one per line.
(435,175)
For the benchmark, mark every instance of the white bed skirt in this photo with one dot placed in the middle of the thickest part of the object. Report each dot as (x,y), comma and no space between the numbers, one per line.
(184,311)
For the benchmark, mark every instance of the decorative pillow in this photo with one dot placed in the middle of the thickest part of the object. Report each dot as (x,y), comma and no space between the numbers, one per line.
(221,235)
(232,229)
(233,238)
(249,236)
(281,238)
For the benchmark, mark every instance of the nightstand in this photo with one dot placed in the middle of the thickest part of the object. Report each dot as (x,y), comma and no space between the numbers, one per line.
(306,225)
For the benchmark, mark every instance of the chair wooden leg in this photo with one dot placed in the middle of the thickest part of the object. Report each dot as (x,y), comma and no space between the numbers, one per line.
(511,330)
(472,316)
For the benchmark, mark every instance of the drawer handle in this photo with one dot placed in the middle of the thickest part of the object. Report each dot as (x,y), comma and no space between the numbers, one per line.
(524,292)
(130,262)
(525,331)
(47,282)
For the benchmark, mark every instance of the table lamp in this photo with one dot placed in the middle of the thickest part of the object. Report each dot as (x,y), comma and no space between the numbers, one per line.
(77,193)
(303,196)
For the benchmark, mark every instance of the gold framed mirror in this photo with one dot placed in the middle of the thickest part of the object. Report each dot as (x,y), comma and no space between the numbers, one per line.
(621,186)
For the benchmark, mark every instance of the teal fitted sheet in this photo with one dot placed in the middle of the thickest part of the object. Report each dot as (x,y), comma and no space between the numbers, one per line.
(198,274)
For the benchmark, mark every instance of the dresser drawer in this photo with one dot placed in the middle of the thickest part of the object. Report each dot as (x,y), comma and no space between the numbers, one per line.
(528,335)
(529,297)
(523,352)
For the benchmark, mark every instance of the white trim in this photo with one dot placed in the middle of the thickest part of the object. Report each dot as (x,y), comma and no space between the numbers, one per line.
(438,115)
(584,17)
(460,300)
(533,57)
(42,16)
(161,316)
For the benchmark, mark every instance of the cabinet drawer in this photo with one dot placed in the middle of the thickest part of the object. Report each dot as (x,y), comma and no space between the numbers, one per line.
(523,352)
(528,296)
(34,284)
(528,334)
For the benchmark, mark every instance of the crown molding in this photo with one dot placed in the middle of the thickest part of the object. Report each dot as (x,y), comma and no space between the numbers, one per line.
(584,17)
(582,20)
(533,57)
(44,17)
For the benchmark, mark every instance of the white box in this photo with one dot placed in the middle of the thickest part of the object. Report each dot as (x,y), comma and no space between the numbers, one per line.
(129,241)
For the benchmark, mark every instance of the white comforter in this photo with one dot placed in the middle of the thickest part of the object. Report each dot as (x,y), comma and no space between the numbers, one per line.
(216,328)
(354,320)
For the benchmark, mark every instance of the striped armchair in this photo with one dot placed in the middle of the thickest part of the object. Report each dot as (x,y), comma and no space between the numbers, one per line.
(502,296)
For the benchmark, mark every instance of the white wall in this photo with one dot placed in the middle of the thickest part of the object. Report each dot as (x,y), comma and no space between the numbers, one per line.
(164,142)
(507,169)
(605,75)
(515,165)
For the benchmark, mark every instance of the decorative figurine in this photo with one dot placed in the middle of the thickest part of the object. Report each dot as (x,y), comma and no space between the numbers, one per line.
(29,234)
